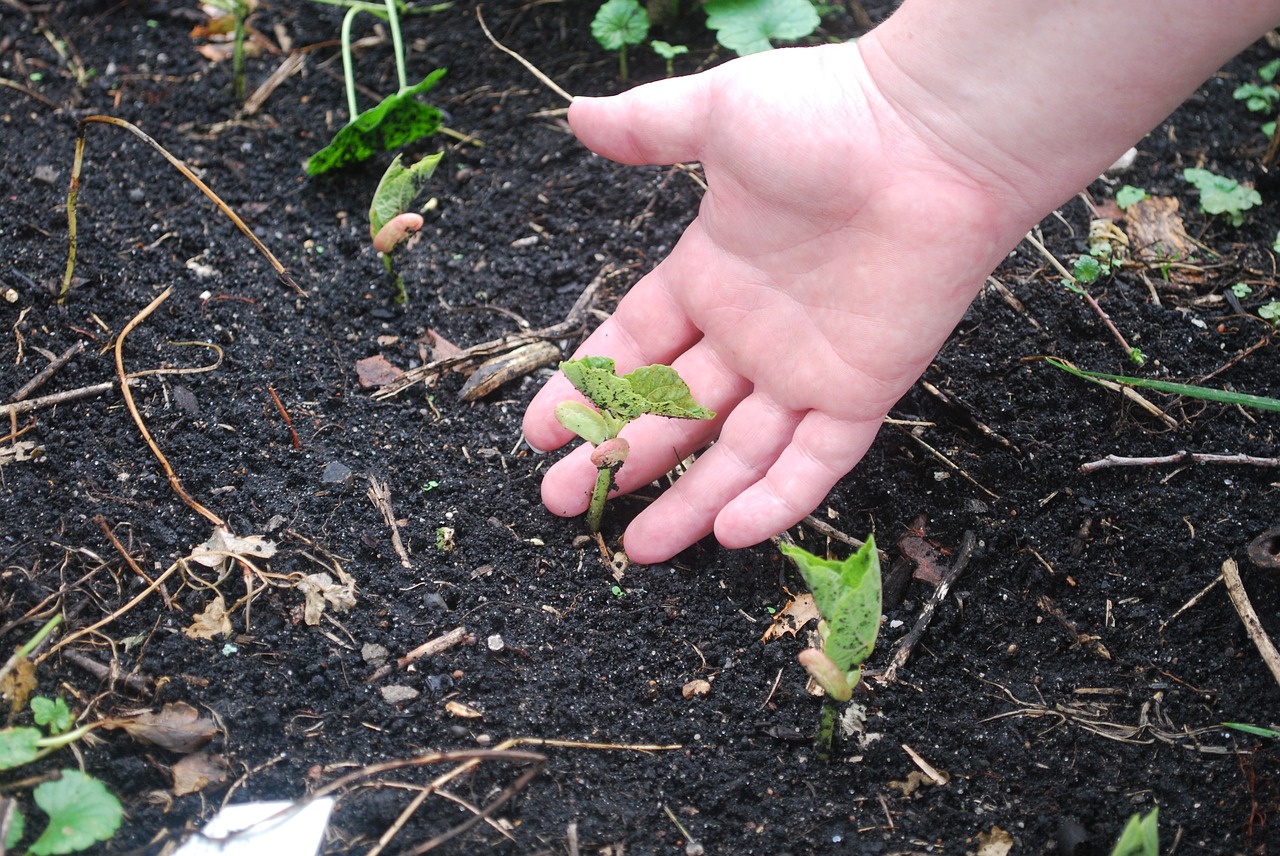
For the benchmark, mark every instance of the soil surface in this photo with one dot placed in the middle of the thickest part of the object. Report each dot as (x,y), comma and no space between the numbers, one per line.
(1065,681)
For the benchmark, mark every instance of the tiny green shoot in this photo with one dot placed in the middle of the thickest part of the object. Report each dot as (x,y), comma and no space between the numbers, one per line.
(618,400)
(749,26)
(668,52)
(1221,396)
(1241,290)
(619,23)
(1140,836)
(1270,312)
(238,11)
(1222,195)
(391,223)
(398,119)
(1255,730)
(848,596)
(1129,195)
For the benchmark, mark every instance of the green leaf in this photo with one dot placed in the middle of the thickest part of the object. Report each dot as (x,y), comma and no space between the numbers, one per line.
(582,420)
(399,119)
(746,26)
(620,23)
(1241,290)
(1087,270)
(1258,99)
(18,746)
(81,812)
(1267,72)
(666,50)
(16,828)
(1270,311)
(847,595)
(1256,730)
(653,389)
(1222,195)
(1129,195)
(1221,396)
(1140,837)
(52,713)
(398,188)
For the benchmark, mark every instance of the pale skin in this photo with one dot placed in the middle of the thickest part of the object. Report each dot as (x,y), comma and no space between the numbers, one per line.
(858,197)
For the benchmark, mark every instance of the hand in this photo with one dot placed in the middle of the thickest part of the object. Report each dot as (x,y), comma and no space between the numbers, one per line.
(837,245)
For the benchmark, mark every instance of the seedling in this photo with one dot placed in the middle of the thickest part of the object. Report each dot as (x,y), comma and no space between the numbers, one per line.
(398,119)
(1129,195)
(1255,730)
(668,52)
(1222,195)
(619,400)
(1221,396)
(847,595)
(1140,836)
(238,13)
(748,26)
(617,24)
(1264,97)
(391,223)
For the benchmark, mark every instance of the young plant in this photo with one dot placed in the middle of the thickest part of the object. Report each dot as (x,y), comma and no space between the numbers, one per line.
(617,24)
(1262,97)
(391,223)
(1140,836)
(1222,396)
(236,13)
(618,400)
(847,595)
(668,52)
(748,26)
(1222,195)
(1129,195)
(398,119)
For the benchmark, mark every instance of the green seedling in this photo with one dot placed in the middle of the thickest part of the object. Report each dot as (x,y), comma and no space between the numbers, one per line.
(1221,396)
(1222,195)
(619,400)
(750,26)
(1140,836)
(238,11)
(1129,195)
(847,595)
(617,24)
(1241,290)
(391,223)
(1255,730)
(1270,312)
(398,119)
(668,52)
(1262,97)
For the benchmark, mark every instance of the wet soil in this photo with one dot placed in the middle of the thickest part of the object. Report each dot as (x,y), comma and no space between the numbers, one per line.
(1063,682)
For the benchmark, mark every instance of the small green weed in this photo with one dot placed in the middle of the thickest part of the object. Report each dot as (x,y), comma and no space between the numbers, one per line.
(1140,836)
(1262,97)
(750,26)
(619,23)
(668,52)
(1222,195)
(1129,195)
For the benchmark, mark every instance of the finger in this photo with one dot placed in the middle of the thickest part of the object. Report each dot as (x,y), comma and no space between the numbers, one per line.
(753,437)
(659,123)
(657,444)
(821,452)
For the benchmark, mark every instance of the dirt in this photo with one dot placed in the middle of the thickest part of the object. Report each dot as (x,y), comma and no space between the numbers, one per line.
(1063,683)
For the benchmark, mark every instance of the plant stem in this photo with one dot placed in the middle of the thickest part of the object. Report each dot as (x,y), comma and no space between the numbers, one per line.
(825,743)
(397,43)
(348,71)
(622,62)
(241,13)
(595,512)
(34,642)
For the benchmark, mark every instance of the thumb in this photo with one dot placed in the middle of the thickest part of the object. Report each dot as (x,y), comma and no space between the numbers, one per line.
(659,123)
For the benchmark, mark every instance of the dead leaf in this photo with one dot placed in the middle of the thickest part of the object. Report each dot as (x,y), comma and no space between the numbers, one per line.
(927,558)
(178,727)
(196,772)
(465,711)
(223,546)
(18,684)
(696,689)
(320,591)
(441,348)
(211,623)
(997,842)
(915,781)
(798,612)
(376,371)
(1156,232)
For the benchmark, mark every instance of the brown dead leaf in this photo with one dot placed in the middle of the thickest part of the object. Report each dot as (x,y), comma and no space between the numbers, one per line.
(18,684)
(927,558)
(997,842)
(1156,232)
(211,623)
(376,371)
(178,727)
(798,612)
(441,348)
(321,591)
(197,771)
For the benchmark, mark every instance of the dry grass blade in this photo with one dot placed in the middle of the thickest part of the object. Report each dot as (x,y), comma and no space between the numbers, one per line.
(533,69)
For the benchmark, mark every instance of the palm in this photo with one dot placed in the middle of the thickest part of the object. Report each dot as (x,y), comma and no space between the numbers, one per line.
(831,256)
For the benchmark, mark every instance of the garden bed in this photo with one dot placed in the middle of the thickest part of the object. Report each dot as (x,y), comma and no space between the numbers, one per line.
(1063,684)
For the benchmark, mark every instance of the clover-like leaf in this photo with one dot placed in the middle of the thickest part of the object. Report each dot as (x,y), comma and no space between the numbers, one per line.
(81,812)
(397,120)
(1222,195)
(848,598)
(397,189)
(620,23)
(52,713)
(18,746)
(746,26)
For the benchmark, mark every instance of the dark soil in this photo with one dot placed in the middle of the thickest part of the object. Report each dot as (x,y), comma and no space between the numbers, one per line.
(1058,688)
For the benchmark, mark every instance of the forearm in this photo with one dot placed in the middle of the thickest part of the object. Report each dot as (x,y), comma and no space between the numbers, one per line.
(1041,97)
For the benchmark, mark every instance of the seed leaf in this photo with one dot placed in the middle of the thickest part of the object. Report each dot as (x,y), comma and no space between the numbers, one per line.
(81,813)
(398,120)
(848,597)
(746,26)
(1222,195)
(398,188)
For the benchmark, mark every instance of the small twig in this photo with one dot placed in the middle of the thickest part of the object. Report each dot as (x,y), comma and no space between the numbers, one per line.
(902,651)
(434,646)
(47,372)
(1191,603)
(1093,304)
(136,684)
(1177,458)
(925,767)
(174,481)
(288,421)
(67,640)
(137,569)
(54,399)
(546,81)
(1240,600)
(952,465)
(835,534)
(380,495)
(954,402)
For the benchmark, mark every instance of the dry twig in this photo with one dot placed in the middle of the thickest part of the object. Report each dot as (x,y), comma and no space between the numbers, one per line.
(1240,600)
(902,651)
(380,495)
(1177,458)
